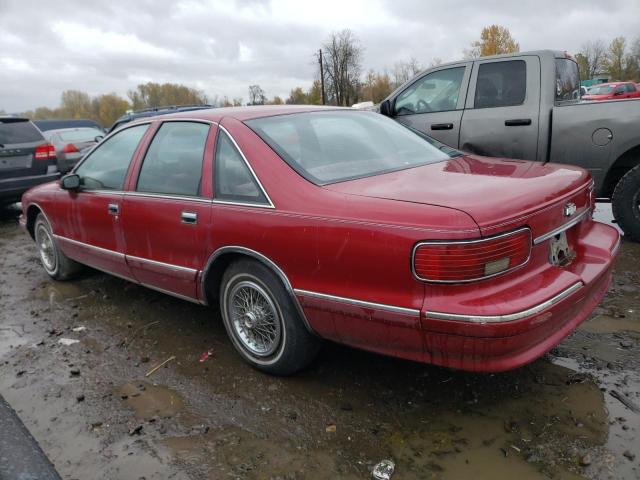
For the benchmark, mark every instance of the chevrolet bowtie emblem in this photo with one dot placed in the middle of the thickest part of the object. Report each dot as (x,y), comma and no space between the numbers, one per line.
(569,209)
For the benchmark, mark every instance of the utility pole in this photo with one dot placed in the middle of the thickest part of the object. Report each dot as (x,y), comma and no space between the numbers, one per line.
(324,100)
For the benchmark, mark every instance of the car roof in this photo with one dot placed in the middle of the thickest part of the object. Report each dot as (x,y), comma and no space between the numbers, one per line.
(244,113)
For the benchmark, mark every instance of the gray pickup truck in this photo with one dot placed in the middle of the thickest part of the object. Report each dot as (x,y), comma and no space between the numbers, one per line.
(528,106)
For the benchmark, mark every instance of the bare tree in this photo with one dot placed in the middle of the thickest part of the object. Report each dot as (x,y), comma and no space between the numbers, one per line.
(342,56)
(256,95)
(593,57)
(403,71)
(616,61)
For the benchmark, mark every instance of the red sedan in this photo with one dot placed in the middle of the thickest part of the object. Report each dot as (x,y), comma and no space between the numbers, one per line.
(613,91)
(309,223)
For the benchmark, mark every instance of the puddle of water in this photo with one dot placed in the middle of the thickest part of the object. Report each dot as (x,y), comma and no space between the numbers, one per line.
(148,401)
(609,324)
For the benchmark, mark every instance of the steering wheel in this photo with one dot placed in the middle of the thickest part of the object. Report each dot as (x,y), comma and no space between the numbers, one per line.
(422,106)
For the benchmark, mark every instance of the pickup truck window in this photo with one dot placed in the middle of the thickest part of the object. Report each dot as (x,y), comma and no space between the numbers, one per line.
(567,80)
(501,84)
(435,92)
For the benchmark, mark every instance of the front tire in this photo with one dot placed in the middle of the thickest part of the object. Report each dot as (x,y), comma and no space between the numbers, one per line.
(261,320)
(626,204)
(57,265)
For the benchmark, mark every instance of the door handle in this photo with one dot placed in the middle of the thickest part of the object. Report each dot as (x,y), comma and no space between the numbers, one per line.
(189,217)
(442,126)
(517,122)
(113,208)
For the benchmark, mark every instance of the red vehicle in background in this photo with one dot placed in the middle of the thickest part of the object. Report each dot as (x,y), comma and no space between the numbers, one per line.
(304,223)
(613,91)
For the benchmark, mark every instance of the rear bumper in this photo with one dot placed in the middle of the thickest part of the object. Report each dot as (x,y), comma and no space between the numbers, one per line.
(13,188)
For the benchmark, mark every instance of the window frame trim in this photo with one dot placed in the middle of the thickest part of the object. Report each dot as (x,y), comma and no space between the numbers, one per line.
(269,203)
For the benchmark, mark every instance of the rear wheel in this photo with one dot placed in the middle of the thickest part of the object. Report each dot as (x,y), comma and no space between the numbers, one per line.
(262,321)
(54,261)
(626,204)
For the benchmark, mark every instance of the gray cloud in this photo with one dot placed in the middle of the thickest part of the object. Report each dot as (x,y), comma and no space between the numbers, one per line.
(222,47)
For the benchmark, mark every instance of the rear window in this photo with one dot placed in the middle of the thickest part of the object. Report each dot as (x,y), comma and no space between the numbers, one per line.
(21,131)
(567,80)
(329,147)
(80,135)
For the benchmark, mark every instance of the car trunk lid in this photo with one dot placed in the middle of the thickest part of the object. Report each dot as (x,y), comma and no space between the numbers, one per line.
(19,140)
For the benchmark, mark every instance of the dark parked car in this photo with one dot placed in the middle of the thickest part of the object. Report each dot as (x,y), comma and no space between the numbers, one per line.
(72,144)
(45,125)
(152,112)
(26,159)
(307,222)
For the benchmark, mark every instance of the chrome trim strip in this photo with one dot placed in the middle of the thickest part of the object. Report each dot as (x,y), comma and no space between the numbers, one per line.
(561,228)
(271,205)
(90,247)
(508,317)
(616,247)
(359,303)
(267,261)
(242,204)
(168,266)
(166,196)
(465,242)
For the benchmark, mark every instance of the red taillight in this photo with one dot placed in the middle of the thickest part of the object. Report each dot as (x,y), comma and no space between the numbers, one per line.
(466,261)
(70,148)
(45,152)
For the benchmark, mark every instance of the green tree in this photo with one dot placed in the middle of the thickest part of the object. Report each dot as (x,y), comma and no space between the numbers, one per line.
(75,104)
(494,40)
(108,108)
(616,58)
(314,95)
(297,97)
(150,95)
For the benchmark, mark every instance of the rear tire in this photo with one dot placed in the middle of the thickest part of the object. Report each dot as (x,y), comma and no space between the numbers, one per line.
(57,265)
(626,204)
(261,320)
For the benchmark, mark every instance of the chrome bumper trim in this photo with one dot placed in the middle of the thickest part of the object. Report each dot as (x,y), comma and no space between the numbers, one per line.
(359,303)
(509,317)
(561,228)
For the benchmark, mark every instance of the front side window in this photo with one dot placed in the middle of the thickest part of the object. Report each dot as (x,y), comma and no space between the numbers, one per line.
(233,180)
(567,80)
(107,165)
(173,163)
(334,146)
(501,84)
(435,92)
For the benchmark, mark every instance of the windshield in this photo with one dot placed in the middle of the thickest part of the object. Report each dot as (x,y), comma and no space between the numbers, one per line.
(334,146)
(601,90)
(80,135)
(567,80)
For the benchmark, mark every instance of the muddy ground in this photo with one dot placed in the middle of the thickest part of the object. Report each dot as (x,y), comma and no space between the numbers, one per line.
(97,416)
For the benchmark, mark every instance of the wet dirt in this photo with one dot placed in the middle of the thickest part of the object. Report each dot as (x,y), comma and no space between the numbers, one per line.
(98,416)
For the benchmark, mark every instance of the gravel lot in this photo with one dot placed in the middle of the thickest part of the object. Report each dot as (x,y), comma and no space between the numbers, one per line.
(96,414)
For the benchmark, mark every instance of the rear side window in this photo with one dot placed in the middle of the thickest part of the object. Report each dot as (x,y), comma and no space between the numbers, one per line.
(567,80)
(501,84)
(107,165)
(21,131)
(233,179)
(173,163)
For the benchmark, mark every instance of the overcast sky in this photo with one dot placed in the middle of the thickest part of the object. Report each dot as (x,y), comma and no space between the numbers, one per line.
(222,47)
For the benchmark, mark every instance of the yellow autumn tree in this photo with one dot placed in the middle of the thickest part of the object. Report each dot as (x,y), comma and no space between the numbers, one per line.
(494,40)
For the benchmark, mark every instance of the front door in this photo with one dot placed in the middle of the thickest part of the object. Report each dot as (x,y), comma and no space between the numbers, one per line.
(92,233)
(502,109)
(433,104)
(167,208)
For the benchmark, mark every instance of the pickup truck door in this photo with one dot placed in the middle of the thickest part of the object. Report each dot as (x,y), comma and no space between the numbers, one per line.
(502,109)
(433,103)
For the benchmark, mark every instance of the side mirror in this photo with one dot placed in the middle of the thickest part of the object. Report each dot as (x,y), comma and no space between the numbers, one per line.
(98,138)
(385,108)
(70,182)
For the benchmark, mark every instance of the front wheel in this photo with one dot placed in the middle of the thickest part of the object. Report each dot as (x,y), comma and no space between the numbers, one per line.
(262,321)
(626,204)
(54,261)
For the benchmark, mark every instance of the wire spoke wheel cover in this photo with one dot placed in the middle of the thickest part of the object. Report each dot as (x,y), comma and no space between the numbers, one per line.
(45,247)
(255,319)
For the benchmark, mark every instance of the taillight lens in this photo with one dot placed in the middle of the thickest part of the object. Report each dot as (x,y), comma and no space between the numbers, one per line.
(70,148)
(45,152)
(466,261)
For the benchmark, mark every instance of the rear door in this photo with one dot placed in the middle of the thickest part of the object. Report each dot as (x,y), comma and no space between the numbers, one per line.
(434,102)
(502,108)
(93,230)
(19,140)
(167,208)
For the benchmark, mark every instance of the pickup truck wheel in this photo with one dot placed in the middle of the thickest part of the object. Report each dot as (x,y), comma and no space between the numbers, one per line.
(262,321)
(626,204)
(55,262)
